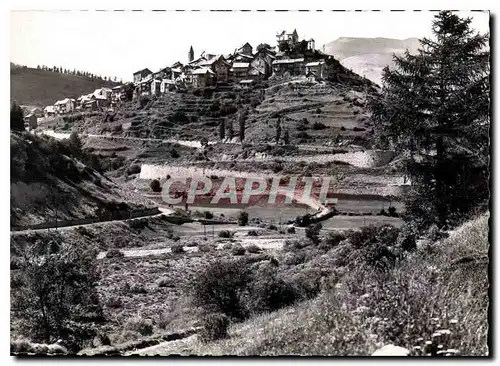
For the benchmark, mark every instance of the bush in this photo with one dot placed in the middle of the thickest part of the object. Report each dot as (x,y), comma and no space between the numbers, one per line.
(173,153)
(333,239)
(221,287)
(140,325)
(177,248)
(392,211)
(114,253)
(318,111)
(243,218)
(225,234)
(238,249)
(303,221)
(214,327)
(312,233)
(270,293)
(252,233)
(155,185)
(208,215)
(65,286)
(143,101)
(165,282)
(253,248)
(318,126)
(134,169)
(179,117)
(291,230)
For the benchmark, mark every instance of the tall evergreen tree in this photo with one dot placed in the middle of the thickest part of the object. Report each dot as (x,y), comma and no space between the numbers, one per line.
(241,121)
(16,117)
(278,130)
(435,111)
(222,129)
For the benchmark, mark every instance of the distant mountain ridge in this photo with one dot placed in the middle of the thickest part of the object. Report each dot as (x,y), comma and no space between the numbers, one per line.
(368,56)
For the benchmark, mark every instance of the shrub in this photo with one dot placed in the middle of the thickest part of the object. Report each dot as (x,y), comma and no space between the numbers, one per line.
(253,248)
(252,233)
(134,169)
(179,117)
(243,218)
(221,286)
(238,249)
(208,215)
(225,234)
(302,135)
(143,101)
(214,327)
(64,284)
(318,126)
(318,111)
(114,253)
(303,221)
(342,128)
(312,233)
(333,239)
(392,211)
(177,248)
(155,185)
(165,282)
(272,227)
(269,293)
(291,230)
(173,153)
(140,325)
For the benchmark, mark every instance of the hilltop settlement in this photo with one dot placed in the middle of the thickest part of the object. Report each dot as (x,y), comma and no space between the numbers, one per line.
(245,66)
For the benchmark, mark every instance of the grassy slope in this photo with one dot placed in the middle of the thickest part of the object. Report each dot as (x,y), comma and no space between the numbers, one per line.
(47,184)
(444,287)
(41,88)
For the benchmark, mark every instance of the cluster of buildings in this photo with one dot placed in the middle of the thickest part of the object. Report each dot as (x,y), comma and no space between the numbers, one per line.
(244,66)
(98,100)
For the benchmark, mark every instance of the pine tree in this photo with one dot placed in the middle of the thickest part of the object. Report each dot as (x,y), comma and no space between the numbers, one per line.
(241,121)
(278,130)
(230,130)
(286,137)
(435,110)
(222,129)
(16,117)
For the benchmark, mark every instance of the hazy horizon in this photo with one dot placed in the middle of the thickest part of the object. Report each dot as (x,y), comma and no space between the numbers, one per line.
(118,43)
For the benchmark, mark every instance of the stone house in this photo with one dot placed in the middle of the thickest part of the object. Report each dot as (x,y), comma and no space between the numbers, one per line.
(156,86)
(316,68)
(31,121)
(49,111)
(203,77)
(141,74)
(167,85)
(292,67)
(66,105)
(239,71)
(262,62)
(219,66)
(246,49)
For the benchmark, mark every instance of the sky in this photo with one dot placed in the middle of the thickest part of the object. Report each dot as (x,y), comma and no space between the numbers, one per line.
(120,43)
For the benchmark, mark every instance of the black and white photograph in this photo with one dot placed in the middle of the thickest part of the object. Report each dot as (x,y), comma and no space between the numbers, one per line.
(250,183)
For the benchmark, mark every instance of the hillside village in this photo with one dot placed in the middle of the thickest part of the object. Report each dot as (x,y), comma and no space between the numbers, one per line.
(244,67)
